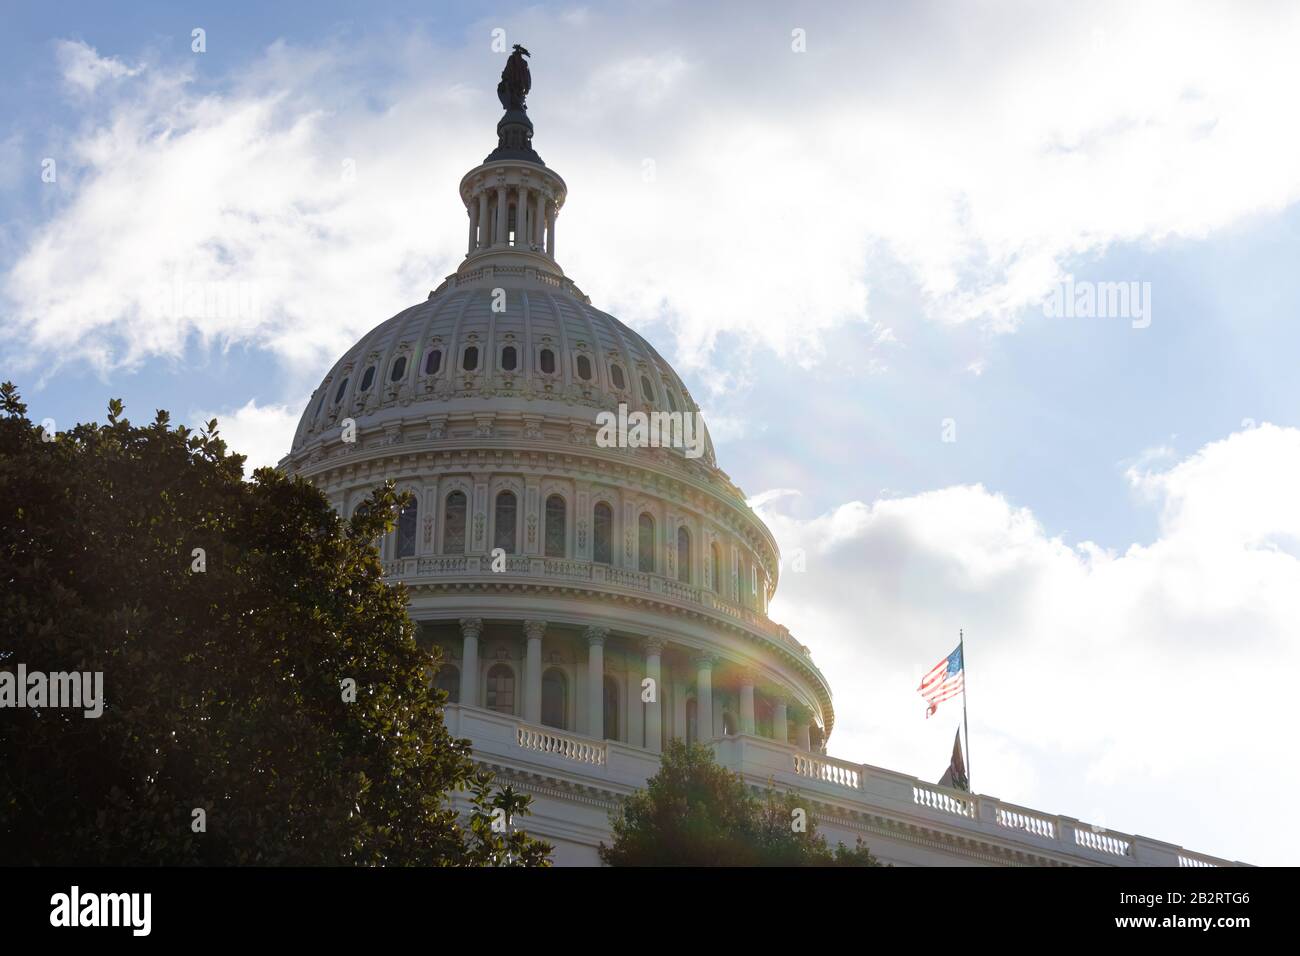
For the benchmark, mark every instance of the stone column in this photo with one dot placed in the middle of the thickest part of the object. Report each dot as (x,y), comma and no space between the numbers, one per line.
(473,228)
(780,721)
(596,681)
(470,629)
(747,703)
(503,212)
(704,699)
(802,729)
(533,631)
(550,229)
(679,708)
(484,223)
(521,218)
(654,708)
(537,216)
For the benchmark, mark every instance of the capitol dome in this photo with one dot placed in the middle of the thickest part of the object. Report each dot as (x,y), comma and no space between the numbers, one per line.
(593,600)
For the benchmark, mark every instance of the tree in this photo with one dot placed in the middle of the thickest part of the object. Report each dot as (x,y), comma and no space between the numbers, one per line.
(696,813)
(265,700)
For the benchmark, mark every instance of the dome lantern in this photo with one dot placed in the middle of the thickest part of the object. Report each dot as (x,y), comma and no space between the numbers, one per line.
(512,199)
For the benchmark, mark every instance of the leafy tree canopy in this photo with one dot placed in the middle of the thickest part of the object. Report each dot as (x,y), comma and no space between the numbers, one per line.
(227,617)
(694,812)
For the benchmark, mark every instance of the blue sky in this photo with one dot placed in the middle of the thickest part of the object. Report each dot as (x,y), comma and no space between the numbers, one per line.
(839,249)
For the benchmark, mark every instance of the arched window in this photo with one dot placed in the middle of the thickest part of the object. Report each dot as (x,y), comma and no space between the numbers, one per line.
(546,361)
(584,368)
(616,376)
(399,369)
(338,395)
(692,721)
(506,511)
(683,555)
(715,555)
(433,362)
(407,522)
(602,534)
(611,708)
(555,698)
(448,680)
(668,397)
(728,724)
(453,524)
(509,358)
(645,560)
(501,689)
(555,526)
(647,390)
(368,379)
(469,361)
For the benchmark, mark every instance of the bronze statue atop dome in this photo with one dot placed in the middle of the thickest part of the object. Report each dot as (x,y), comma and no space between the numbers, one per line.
(516,81)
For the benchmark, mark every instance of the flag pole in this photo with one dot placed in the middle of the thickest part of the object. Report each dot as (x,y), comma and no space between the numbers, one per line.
(965,679)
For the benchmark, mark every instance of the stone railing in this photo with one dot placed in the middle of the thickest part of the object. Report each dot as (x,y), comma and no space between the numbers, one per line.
(827,769)
(413,570)
(859,788)
(765,760)
(945,801)
(1015,819)
(548,741)
(1103,841)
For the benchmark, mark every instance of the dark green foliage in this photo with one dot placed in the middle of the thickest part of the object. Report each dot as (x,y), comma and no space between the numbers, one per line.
(222,686)
(696,813)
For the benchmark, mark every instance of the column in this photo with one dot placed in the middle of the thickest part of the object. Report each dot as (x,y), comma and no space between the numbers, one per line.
(485,224)
(802,730)
(470,629)
(550,229)
(747,703)
(704,699)
(679,708)
(503,210)
(780,721)
(654,708)
(596,681)
(473,228)
(537,217)
(521,218)
(533,631)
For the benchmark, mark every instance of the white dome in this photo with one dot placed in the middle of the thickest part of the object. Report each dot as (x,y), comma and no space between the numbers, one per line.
(543,350)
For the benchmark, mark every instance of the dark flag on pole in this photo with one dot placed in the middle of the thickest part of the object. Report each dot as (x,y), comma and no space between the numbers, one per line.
(956,776)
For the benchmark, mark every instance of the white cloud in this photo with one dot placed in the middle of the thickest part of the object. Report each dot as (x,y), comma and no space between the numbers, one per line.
(1150,683)
(983,156)
(83,69)
(263,433)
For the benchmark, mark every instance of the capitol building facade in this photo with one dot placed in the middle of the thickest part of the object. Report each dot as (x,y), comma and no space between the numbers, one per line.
(565,582)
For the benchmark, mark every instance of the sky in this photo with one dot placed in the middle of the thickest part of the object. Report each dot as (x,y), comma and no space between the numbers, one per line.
(850,229)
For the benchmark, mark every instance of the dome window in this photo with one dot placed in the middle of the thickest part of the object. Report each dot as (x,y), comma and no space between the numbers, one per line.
(469,361)
(584,368)
(668,397)
(647,390)
(399,369)
(338,395)
(616,376)
(509,359)
(602,534)
(547,362)
(320,404)
(433,362)
(368,379)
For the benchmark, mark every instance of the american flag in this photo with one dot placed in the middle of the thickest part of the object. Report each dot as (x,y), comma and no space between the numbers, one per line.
(946,679)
